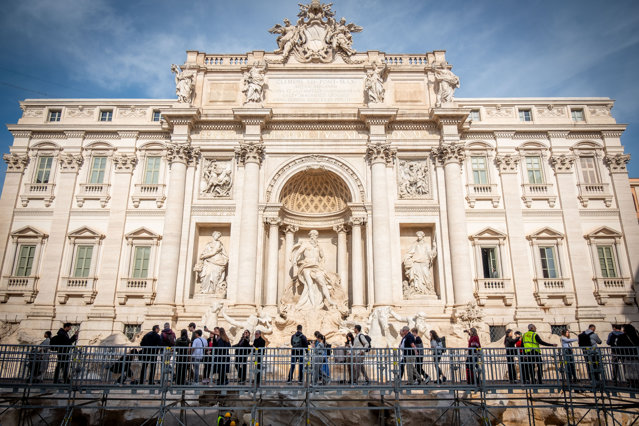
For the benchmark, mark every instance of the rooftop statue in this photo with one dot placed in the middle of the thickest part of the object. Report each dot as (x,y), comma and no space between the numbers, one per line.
(184,82)
(317,36)
(374,83)
(253,84)
(447,82)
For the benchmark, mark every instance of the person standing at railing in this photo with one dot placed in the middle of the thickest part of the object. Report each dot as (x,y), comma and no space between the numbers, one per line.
(472,367)
(532,355)
(616,359)
(408,347)
(222,357)
(589,340)
(151,343)
(299,342)
(241,355)
(63,343)
(197,354)
(360,347)
(419,356)
(210,364)
(320,366)
(629,343)
(568,358)
(259,344)
(348,357)
(437,346)
(182,344)
(39,360)
(510,341)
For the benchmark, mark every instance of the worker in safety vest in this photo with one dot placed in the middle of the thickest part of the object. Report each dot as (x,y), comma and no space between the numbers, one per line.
(532,355)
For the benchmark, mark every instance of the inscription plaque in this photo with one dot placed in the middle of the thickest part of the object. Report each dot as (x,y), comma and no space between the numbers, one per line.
(315,90)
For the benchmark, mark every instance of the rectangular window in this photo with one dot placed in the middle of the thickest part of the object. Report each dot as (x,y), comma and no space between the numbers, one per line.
(132,330)
(557,329)
(606,262)
(43,170)
(548,262)
(141,257)
(98,167)
(25,260)
(577,114)
(525,115)
(480,172)
(83,261)
(157,115)
(55,115)
(474,115)
(152,170)
(533,168)
(497,332)
(489,262)
(588,169)
(106,115)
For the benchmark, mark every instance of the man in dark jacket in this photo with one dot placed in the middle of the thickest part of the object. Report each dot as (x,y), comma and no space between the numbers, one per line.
(150,344)
(614,338)
(63,340)
(298,343)
(259,344)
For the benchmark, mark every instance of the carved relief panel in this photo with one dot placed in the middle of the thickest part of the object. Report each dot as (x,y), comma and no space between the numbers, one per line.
(216,178)
(413,179)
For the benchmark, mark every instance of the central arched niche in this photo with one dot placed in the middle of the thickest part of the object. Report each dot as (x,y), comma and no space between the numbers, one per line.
(315,192)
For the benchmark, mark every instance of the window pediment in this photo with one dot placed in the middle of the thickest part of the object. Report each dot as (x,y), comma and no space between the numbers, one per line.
(142,234)
(546,233)
(28,232)
(603,232)
(85,233)
(488,234)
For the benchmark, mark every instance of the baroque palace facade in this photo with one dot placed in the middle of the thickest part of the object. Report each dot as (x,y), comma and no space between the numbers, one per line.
(319,185)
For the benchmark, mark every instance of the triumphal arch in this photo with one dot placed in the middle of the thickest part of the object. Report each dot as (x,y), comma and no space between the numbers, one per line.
(317,185)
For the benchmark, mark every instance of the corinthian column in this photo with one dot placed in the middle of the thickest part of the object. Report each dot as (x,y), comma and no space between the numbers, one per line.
(289,232)
(16,165)
(273,251)
(357,263)
(342,268)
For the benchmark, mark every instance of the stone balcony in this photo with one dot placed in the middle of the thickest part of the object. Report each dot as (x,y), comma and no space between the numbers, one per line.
(487,191)
(78,287)
(19,287)
(553,288)
(607,288)
(538,191)
(94,191)
(494,288)
(38,191)
(154,192)
(594,191)
(143,288)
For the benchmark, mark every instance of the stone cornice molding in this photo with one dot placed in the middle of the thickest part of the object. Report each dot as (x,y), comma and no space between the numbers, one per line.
(377,116)
(129,134)
(611,133)
(70,163)
(584,135)
(253,116)
(450,152)
(340,228)
(182,153)
(16,163)
(48,135)
(249,153)
(74,134)
(508,163)
(556,134)
(21,133)
(380,153)
(450,116)
(180,116)
(124,163)
(562,163)
(505,135)
(617,162)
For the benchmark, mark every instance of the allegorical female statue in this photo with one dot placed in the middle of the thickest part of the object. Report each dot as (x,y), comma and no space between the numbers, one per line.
(183,84)
(253,84)
(418,263)
(211,267)
(447,82)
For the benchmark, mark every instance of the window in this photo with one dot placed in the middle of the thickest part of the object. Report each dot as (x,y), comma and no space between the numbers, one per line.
(548,262)
(106,115)
(83,261)
(480,172)
(489,262)
(55,115)
(497,332)
(588,169)
(607,262)
(132,330)
(157,116)
(152,170)
(25,260)
(525,115)
(577,114)
(474,115)
(558,329)
(43,169)
(534,170)
(141,256)
(98,166)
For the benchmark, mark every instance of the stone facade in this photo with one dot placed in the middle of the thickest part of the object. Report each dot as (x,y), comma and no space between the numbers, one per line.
(125,213)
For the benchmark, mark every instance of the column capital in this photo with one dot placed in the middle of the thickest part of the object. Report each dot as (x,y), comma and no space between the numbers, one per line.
(617,162)
(16,163)
(508,163)
(357,221)
(272,221)
(562,163)
(124,163)
(380,153)
(290,228)
(182,153)
(341,228)
(449,153)
(70,163)
(249,153)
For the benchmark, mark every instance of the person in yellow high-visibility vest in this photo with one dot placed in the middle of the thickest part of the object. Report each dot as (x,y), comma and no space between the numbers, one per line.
(532,355)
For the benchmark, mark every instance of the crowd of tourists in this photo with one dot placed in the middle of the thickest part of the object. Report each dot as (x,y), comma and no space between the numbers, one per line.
(207,360)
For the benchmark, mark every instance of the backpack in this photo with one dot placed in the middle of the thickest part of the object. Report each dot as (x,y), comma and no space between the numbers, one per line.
(584,339)
(168,339)
(55,341)
(296,341)
(368,342)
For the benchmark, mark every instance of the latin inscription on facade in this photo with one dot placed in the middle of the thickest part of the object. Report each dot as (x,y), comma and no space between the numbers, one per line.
(315,90)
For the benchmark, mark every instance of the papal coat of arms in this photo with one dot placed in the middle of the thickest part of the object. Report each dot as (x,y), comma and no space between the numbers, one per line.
(317,36)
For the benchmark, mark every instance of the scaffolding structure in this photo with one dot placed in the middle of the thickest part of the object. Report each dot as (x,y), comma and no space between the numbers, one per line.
(308,386)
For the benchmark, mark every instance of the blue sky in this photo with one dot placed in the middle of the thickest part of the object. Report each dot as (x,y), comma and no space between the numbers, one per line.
(123,49)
